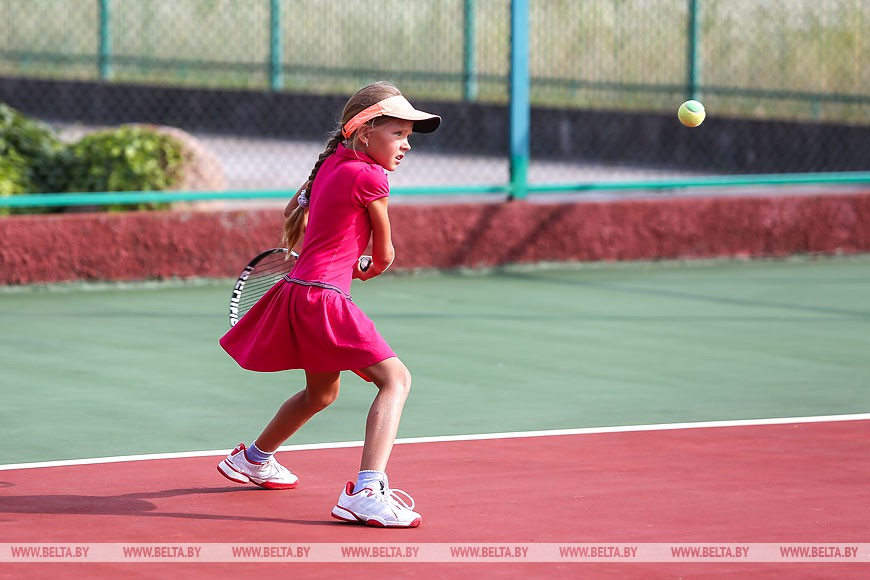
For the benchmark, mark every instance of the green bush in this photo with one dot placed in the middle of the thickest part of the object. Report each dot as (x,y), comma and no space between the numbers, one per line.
(28,149)
(14,172)
(127,158)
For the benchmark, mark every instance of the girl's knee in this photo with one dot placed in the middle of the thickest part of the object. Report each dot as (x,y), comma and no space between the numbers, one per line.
(406,381)
(320,399)
(391,375)
(400,381)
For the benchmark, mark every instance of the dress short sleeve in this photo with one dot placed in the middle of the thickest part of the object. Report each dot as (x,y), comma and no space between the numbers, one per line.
(372,184)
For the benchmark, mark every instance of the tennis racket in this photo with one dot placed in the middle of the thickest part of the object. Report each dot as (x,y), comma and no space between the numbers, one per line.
(261,273)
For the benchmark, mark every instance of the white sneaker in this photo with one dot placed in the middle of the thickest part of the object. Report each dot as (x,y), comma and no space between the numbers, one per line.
(381,508)
(269,474)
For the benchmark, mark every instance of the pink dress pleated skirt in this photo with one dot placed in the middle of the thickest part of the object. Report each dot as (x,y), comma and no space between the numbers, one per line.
(305,327)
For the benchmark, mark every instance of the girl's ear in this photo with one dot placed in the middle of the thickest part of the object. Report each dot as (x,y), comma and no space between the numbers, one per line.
(360,137)
(363,133)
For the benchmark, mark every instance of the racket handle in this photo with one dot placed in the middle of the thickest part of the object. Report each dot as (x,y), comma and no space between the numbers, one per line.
(365,262)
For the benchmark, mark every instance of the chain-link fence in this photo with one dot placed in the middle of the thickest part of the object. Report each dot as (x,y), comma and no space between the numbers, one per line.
(258,84)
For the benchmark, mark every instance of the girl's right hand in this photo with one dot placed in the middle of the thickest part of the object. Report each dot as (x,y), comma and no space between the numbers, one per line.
(364,270)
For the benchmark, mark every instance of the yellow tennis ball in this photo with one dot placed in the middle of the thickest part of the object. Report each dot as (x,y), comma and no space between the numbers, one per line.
(691,113)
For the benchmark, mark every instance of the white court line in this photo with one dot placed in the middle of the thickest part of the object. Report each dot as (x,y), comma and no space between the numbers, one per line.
(446,438)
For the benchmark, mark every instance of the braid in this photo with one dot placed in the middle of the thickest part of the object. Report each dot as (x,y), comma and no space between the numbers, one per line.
(294,225)
(331,147)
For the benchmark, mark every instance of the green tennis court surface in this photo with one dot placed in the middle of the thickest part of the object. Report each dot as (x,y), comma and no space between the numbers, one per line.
(102,371)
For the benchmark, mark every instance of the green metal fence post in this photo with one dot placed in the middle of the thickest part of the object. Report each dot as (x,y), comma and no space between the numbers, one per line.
(276,66)
(105,48)
(694,33)
(520,109)
(470,73)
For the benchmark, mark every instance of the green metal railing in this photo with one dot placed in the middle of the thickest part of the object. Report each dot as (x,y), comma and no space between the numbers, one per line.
(506,190)
(694,66)
(520,111)
(105,48)
(276,66)
(470,55)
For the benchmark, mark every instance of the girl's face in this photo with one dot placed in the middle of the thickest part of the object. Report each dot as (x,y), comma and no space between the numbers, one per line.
(388,142)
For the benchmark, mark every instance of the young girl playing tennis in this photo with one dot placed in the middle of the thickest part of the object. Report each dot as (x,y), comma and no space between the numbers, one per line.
(309,320)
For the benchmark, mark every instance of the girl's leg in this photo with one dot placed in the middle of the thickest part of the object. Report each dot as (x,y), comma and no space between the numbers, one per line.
(321,389)
(362,503)
(393,381)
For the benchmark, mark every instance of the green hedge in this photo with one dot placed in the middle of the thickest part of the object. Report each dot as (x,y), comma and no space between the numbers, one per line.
(128,158)
(27,150)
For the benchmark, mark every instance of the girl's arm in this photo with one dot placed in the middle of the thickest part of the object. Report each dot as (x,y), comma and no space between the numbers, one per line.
(383,252)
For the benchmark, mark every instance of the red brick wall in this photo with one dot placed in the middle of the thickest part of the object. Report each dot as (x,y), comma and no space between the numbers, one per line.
(148,245)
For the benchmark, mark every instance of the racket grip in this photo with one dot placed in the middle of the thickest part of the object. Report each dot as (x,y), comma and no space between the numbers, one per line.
(365,262)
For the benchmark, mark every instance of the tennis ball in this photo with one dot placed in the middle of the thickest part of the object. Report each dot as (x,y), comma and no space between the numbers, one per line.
(691,113)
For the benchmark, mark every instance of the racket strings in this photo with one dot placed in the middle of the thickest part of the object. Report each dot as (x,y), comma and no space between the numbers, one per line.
(264,275)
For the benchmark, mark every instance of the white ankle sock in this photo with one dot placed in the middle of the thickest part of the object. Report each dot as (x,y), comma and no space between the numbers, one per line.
(368,477)
(257,455)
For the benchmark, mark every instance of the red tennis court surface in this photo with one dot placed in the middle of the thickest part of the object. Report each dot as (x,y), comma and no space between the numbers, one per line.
(780,483)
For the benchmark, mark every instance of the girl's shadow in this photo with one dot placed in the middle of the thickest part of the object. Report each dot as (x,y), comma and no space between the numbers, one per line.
(129,504)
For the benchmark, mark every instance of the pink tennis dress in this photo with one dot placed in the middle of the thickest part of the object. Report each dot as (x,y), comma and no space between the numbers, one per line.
(296,325)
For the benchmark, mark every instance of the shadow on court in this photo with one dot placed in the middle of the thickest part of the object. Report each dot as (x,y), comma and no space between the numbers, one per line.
(133,505)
